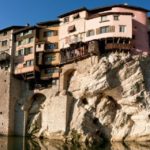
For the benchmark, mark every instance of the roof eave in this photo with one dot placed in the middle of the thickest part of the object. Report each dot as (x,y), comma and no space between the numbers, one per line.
(73,11)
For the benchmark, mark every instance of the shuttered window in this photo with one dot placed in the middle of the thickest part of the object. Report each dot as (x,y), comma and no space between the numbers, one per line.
(50,33)
(122,28)
(52,46)
(90,33)
(71,28)
(107,29)
(98,31)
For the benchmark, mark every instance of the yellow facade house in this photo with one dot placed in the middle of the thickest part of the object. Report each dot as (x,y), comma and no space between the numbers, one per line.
(47,49)
(37,56)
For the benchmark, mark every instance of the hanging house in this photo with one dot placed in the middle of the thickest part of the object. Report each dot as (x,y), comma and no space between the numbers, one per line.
(100,30)
(7,46)
(25,62)
(47,50)
(37,55)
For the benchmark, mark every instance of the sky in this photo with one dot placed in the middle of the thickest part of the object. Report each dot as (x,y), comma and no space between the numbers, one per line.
(21,12)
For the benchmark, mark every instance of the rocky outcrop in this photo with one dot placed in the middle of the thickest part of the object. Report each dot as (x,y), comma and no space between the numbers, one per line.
(113,98)
(109,99)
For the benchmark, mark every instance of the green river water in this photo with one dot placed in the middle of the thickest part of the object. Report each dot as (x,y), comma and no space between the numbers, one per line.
(17,143)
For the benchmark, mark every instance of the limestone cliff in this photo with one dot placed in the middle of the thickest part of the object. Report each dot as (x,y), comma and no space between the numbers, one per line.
(109,98)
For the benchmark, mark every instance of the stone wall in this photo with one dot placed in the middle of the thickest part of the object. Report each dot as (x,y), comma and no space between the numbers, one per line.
(11,90)
(4,101)
(80,66)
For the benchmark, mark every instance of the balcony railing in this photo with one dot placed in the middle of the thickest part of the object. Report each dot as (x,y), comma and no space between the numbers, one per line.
(69,55)
(122,46)
(4,57)
(19,59)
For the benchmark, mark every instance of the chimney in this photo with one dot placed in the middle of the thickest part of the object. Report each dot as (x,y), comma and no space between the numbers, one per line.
(27,24)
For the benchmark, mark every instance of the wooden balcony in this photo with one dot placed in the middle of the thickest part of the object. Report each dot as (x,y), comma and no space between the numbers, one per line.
(49,76)
(4,57)
(23,70)
(19,59)
(111,46)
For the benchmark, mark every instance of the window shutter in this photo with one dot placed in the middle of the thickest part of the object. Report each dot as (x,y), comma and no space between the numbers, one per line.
(112,28)
(87,33)
(98,31)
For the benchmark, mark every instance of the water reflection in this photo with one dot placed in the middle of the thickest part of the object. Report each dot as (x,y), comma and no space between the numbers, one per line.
(131,146)
(16,143)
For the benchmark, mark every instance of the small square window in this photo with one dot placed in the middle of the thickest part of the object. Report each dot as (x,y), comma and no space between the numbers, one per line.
(66,19)
(71,28)
(104,18)
(5,33)
(122,28)
(76,16)
(116,17)
(4,43)
(48,33)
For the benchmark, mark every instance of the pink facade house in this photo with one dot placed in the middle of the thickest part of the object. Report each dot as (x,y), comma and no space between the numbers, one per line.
(117,27)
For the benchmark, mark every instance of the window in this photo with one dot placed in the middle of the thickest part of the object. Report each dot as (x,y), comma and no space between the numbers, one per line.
(104,29)
(49,58)
(122,28)
(20,52)
(52,46)
(5,33)
(76,16)
(30,32)
(30,40)
(116,17)
(107,29)
(66,19)
(27,32)
(71,28)
(16,53)
(90,33)
(52,70)
(28,63)
(50,33)
(104,18)
(19,43)
(28,50)
(21,34)
(4,43)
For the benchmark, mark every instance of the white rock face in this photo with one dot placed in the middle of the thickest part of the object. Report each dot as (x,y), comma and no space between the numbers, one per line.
(113,98)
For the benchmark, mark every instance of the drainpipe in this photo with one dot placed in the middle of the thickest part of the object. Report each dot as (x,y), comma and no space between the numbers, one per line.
(24,129)
(24,123)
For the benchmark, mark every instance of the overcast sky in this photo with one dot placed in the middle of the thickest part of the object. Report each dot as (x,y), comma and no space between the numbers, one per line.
(21,12)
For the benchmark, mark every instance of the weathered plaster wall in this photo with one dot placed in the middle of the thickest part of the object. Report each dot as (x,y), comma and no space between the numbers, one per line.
(11,90)
(4,100)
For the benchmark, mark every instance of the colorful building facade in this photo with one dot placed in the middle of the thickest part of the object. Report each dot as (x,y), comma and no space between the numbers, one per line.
(47,51)
(117,27)
(37,55)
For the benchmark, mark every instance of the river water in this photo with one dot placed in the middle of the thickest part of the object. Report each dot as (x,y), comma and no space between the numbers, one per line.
(16,143)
